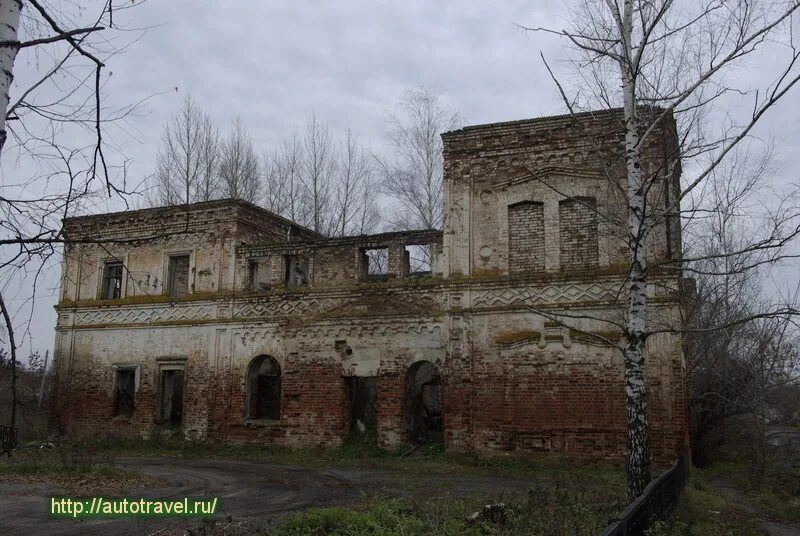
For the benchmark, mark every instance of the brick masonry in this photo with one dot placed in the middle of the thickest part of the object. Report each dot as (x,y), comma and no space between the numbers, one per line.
(526,237)
(577,224)
(514,251)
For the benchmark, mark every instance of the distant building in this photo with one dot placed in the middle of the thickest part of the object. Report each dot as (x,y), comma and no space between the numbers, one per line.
(223,321)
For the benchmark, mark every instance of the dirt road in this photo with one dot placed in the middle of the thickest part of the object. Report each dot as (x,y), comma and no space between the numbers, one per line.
(255,491)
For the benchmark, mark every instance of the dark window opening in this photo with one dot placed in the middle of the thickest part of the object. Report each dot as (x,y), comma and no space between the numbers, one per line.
(178,277)
(375,264)
(419,258)
(258,276)
(171,396)
(124,391)
(423,403)
(112,280)
(264,389)
(296,271)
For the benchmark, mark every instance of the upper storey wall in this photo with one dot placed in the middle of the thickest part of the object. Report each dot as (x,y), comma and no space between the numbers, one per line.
(340,262)
(548,195)
(141,252)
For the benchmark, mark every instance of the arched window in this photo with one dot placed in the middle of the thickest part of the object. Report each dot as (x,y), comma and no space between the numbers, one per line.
(264,389)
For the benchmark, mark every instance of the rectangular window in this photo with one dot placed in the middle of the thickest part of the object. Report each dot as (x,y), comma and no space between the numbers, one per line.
(419,258)
(112,280)
(170,390)
(178,275)
(124,391)
(296,271)
(259,273)
(375,264)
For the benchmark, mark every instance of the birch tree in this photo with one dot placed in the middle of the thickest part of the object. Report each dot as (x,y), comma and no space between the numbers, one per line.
(667,58)
(54,128)
(412,175)
(239,167)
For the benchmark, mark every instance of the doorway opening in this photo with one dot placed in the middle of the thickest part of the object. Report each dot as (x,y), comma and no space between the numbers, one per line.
(423,404)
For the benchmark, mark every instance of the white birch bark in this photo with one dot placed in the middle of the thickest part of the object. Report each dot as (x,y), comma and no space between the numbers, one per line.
(9,24)
(638,461)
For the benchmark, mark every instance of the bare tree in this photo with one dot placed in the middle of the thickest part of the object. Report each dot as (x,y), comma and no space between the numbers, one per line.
(239,167)
(354,188)
(53,129)
(662,59)
(283,191)
(187,158)
(319,168)
(413,174)
(208,187)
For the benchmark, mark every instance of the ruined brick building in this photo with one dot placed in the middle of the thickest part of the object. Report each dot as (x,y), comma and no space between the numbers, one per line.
(223,321)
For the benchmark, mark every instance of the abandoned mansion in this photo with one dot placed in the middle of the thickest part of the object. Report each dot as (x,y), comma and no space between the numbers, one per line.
(499,334)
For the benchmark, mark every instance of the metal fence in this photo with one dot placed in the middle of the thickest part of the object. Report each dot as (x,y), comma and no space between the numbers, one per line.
(657,501)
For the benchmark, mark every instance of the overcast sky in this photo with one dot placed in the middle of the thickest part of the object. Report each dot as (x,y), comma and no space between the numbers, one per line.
(276,62)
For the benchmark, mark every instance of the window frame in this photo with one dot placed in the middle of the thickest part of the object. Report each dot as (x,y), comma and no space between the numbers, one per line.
(101,263)
(166,364)
(116,370)
(168,260)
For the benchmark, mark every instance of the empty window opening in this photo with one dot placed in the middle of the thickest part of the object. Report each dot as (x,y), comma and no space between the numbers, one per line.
(423,403)
(420,259)
(526,237)
(578,233)
(264,389)
(124,391)
(171,396)
(112,280)
(178,276)
(363,405)
(296,271)
(375,264)
(258,275)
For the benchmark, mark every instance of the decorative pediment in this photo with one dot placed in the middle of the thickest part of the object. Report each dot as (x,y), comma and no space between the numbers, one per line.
(543,173)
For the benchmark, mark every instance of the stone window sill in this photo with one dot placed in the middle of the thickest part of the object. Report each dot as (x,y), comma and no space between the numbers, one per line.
(263,423)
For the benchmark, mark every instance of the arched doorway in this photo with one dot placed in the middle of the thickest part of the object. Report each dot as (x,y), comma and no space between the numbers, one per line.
(263,386)
(423,403)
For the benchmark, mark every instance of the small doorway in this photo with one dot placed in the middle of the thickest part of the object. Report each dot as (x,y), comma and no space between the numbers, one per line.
(363,405)
(423,404)
(171,396)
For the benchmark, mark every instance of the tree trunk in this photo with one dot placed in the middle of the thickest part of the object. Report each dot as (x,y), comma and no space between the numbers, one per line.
(9,23)
(12,344)
(638,465)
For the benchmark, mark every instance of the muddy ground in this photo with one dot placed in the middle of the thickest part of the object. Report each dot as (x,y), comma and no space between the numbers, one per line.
(253,491)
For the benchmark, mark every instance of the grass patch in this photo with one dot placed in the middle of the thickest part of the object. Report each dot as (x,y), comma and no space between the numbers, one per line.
(550,510)
(63,472)
(366,455)
(703,510)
